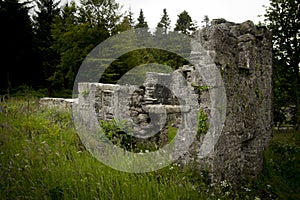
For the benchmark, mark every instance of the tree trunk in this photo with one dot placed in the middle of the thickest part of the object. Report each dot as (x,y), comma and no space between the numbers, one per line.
(297,93)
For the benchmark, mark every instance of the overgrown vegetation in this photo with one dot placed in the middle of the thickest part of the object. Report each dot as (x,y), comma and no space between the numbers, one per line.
(119,133)
(41,157)
(202,123)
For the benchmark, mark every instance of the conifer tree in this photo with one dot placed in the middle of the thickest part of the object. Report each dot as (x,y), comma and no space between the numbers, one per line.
(185,23)
(205,21)
(130,18)
(164,23)
(47,58)
(141,21)
(18,65)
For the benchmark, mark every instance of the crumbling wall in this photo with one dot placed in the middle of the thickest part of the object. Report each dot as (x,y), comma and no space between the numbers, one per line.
(243,55)
(152,108)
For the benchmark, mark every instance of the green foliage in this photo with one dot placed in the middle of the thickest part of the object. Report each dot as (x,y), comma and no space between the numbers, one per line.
(185,23)
(164,24)
(172,131)
(47,10)
(282,18)
(202,123)
(81,33)
(118,132)
(84,93)
(18,55)
(141,21)
(130,18)
(200,88)
(139,57)
(58,39)
(282,164)
(42,157)
(125,25)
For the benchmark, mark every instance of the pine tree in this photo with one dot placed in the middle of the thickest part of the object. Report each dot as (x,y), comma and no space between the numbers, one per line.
(141,21)
(101,13)
(123,26)
(63,30)
(48,59)
(18,65)
(77,33)
(205,21)
(164,24)
(185,23)
(130,18)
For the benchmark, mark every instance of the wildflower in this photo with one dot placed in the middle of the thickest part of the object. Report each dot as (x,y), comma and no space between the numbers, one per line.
(247,189)
(17,155)
(224,183)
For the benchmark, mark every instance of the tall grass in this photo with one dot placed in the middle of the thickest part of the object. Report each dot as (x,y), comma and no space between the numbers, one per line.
(282,164)
(41,157)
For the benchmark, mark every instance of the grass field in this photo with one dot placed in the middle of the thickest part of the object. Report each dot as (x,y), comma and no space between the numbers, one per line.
(41,157)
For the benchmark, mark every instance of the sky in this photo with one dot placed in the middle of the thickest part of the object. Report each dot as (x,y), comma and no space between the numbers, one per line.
(232,10)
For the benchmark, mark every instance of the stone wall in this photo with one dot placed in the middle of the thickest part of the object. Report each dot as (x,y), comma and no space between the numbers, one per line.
(61,103)
(151,109)
(243,55)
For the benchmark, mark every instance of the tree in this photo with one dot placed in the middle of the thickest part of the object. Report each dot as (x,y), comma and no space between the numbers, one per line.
(282,18)
(123,26)
(18,65)
(64,29)
(77,33)
(141,21)
(47,58)
(185,23)
(101,13)
(164,23)
(130,18)
(205,21)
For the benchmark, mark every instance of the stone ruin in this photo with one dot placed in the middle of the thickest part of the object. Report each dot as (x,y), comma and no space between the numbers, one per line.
(243,55)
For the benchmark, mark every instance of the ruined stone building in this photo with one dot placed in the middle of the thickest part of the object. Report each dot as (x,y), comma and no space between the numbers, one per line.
(239,121)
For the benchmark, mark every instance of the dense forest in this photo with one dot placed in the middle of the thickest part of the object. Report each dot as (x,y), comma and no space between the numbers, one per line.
(44,43)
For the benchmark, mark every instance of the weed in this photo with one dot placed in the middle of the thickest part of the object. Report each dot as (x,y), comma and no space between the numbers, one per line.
(41,157)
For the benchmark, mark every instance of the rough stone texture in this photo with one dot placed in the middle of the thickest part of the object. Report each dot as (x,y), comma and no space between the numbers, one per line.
(243,54)
(60,103)
(151,108)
